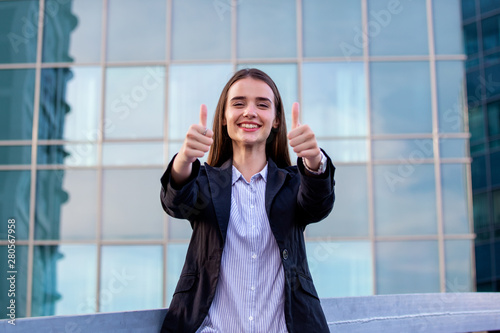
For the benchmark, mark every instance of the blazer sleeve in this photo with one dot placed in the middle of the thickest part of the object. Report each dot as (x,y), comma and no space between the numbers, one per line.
(316,192)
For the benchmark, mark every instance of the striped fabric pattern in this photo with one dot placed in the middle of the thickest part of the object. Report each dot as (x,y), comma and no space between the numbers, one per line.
(250,291)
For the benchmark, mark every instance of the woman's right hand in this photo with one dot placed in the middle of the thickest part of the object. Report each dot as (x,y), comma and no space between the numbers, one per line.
(197,142)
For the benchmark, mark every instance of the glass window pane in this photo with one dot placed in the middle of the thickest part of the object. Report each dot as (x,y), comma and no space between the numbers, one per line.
(15,155)
(131,207)
(401,103)
(179,229)
(18,31)
(133,153)
(450,85)
(493,119)
(481,210)
(407,267)
(266,29)
(325,24)
(491,32)
(353,259)
(349,217)
(15,201)
(478,172)
(487,5)
(135,98)
(334,98)
(492,81)
(484,266)
(405,199)
(453,148)
(189,87)
(66,204)
(471,40)
(412,151)
(131,38)
(494,167)
(476,125)
(68,154)
(176,254)
(72,31)
(346,150)
(496,207)
(397,28)
(458,257)
(61,287)
(131,278)
(475,84)
(17,91)
(455,198)
(447,26)
(200,30)
(468,9)
(21,278)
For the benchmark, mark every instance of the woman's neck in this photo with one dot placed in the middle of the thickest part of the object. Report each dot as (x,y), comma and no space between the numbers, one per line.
(249,161)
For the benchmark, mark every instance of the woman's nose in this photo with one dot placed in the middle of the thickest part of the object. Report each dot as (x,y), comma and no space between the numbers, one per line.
(250,111)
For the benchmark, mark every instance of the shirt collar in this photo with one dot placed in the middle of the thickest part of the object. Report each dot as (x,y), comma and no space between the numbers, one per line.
(237,174)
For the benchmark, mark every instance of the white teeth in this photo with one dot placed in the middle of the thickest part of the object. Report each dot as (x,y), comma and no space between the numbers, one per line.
(249,126)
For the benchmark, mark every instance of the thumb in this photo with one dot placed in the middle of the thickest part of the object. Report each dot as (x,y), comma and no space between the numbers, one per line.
(203,115)
(295,115)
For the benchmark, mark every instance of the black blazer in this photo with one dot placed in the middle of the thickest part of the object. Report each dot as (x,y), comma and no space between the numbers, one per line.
(293,200)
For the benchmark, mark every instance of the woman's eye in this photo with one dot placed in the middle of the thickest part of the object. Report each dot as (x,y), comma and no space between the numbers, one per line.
(263,105)
(238,104)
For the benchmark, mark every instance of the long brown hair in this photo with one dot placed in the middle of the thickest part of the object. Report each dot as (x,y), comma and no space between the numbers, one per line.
(277,142)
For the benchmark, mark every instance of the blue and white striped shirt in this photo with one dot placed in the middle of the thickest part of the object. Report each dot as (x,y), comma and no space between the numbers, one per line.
(250,291)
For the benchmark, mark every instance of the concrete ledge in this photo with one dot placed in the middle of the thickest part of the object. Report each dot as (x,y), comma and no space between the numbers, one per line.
(450,312)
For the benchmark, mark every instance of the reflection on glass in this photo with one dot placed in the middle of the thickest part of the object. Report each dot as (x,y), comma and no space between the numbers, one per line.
(17,89)
(176,254)
(21,265)
(58,25)
(341,269)
(494,163)
(478,172)
(475,83)
(406,151)
(189,87)
(455,204)
(492,78)
(266,29)
(405,199)
(15,154)
(453,148)
(179,229)
(491,31)
(476,125)
(334,98)
(349,217)
(447,27)
(471,40)
(481,211)
(135,153)
(487,5)
(51,154)
(66,204)
(134,102)
(407,267)
(458,258)
(355,150)
(401,103)
(18,31)
(131,278)
(332,28)
(64,280)
(201,30)
(68,154)
(450,86)
(131,38)
(131,209)
(468,9)
(494,118)
(15,201)
(390,23)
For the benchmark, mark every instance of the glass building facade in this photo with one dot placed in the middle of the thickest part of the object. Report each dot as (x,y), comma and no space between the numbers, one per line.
(97,95)
(481,25)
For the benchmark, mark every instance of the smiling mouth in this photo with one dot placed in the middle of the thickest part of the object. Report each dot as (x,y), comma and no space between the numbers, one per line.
(249,126)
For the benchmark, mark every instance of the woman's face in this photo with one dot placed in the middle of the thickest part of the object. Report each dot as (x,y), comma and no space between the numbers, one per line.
(250,112)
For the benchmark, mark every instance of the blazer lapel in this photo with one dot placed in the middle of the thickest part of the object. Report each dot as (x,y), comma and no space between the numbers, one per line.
(275,180)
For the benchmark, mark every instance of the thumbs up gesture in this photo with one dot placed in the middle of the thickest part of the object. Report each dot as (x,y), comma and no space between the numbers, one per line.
(196,143)
(303,141)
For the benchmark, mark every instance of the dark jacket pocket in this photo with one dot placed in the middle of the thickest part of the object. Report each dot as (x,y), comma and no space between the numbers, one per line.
(186,282)
(308,286)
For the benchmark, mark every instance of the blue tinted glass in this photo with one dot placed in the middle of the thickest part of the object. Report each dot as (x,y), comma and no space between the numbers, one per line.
(18,31)
(478,172)
(453,148)
(458,258)
(266,29)
(494,167)
(487,5)
(64,280)
(455,198)
(15,201)
(124,208)
(66,204)
(133,153)
(468,9)
(407,267)
(332,28)
(481,211)
(17,89)
(401,103)
(19,271)
(189,87)
(409,151)
(483,266)
(131,278)
(450,84)
(447,26)
(15,154)
(405,199)
(131,38)
(494,118)
(471,40)
(349,217)
(346,150)
(135,102)
(68,154)
(72,31)
(476,125)
(334,98)
(397,27)
(475,85)
(496,207)
(492,81)
(491,32)
(200,30)
(176,254)
(51,154)
(354,259)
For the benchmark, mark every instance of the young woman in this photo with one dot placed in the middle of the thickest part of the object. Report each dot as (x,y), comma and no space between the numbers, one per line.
(246,268)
